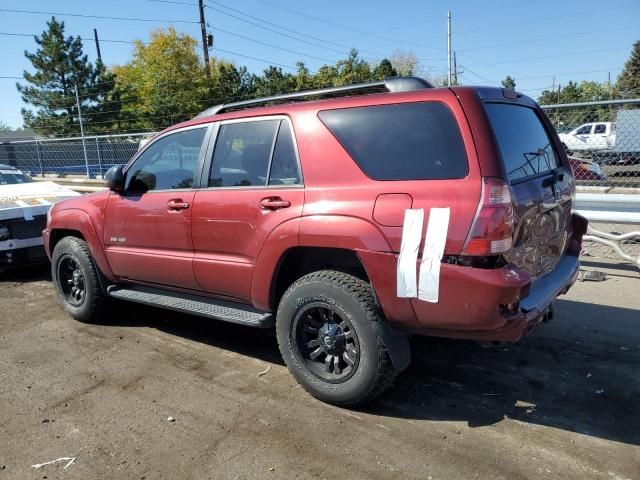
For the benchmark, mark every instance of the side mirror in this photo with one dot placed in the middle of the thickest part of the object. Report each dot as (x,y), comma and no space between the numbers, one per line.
(114,179)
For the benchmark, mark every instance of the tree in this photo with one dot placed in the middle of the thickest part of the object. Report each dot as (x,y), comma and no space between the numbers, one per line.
(574,92)
(405,63)
(230,83)
(5,128)
(274,82)
(509,82)
(628,85)
(384,70)
(353,69)
(164,83)
(60,66)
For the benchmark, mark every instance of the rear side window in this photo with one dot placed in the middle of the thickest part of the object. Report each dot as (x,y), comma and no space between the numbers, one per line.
(284,165)
(410,141)
(524,144)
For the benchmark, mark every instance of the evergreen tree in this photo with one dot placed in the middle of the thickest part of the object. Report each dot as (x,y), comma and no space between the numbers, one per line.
(60,66)
(384,70)
(628,85)
(509,82)
(274,82)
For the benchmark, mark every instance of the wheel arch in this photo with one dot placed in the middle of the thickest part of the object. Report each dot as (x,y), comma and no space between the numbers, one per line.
(77,223)
(329,241)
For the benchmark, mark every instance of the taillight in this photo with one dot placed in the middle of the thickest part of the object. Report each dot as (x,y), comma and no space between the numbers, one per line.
(492,229)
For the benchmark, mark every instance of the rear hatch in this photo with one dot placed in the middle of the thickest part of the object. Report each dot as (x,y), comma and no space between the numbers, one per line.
(541,185)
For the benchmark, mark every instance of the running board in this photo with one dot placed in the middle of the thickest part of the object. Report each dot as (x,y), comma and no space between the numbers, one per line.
(195,305)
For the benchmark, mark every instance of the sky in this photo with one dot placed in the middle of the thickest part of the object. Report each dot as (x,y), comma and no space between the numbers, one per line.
(533,40)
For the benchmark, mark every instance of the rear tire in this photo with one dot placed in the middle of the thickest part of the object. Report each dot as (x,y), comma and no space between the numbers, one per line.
(76,280)
(328,328)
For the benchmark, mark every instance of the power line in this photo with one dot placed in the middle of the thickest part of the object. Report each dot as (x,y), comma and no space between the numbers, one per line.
(281,27)
(533,40)
(66,14)
(537,19)
(274,31)
(551,56)
(81,38)
(255,58)
(344,27)
(271,45)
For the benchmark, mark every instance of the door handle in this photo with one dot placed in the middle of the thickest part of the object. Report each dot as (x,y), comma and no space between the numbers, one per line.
(177,204)
(274,203)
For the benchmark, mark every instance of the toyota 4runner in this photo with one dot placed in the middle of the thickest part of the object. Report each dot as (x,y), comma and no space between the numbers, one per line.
(348,217)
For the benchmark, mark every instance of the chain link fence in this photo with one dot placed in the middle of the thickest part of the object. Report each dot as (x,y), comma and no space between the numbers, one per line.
(603,142)
(91,156)
(602,139)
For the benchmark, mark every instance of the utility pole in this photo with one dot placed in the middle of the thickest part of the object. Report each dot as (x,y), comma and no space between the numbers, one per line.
(205,48)
(449,45)
(95,36)
(84,146)
(455,69)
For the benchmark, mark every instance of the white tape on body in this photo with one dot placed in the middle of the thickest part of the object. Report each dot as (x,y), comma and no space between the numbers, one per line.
(26,210)
(434,242)
(407,285)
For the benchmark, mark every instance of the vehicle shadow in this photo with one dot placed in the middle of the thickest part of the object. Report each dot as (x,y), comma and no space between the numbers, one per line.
(26,274)
(253,342)
(578,373)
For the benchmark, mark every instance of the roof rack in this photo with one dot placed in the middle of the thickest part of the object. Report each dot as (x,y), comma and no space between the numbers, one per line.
(393,84)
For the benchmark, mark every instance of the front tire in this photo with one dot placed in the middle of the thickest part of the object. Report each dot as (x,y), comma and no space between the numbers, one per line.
(76,281)
(328,327)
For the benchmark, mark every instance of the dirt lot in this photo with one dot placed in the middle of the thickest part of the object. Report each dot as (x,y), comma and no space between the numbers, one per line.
(564,403)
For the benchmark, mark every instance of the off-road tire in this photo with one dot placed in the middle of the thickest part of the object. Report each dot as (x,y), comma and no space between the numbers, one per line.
(95,303)
(353,299)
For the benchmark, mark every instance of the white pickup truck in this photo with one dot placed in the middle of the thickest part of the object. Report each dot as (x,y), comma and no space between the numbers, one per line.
(590,136)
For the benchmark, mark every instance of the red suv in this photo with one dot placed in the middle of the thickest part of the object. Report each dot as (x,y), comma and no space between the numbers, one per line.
(350,221)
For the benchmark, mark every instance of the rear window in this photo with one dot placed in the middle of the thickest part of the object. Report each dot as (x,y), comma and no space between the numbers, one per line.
(524,144)
(410,141)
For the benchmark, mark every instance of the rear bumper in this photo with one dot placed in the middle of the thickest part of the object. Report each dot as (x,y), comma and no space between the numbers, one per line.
(546,289)
(474,303)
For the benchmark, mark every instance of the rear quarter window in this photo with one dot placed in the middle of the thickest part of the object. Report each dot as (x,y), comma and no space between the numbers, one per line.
(524,144)
(410,141)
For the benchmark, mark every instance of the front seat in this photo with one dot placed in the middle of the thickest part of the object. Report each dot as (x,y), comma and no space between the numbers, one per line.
(255,161)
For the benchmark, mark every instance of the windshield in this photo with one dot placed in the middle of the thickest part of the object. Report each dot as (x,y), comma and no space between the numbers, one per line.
(524,144)
(13,177)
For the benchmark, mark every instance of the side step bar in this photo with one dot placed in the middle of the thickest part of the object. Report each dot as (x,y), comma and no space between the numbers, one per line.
(195,305)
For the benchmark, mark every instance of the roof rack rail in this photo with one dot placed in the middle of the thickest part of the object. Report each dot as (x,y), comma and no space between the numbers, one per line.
(392,84)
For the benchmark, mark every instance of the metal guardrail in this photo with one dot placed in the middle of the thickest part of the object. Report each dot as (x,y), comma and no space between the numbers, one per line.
(620,209)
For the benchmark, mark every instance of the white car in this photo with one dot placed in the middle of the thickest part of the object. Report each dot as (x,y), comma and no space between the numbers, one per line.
(590,136)
(24,205)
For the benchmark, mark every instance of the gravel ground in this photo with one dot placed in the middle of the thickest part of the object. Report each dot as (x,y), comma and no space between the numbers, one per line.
(564,403)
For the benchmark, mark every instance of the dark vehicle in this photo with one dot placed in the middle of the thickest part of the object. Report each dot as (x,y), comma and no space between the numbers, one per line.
(347,222)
